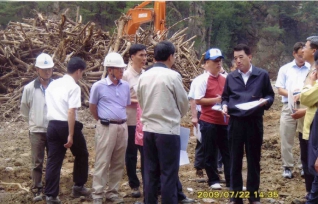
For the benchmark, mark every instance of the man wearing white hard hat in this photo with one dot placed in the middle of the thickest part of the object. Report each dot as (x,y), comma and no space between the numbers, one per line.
(109,98)
(33,108)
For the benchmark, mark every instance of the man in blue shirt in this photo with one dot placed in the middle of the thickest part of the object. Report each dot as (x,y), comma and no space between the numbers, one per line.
(108,100)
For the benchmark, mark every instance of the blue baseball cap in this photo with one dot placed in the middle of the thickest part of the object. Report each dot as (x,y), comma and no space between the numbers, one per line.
(213,54)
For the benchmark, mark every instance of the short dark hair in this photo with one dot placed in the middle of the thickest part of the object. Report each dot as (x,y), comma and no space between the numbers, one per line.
(313,42)
(163,50)
(297,46)
(244,47)
(316,56)
(136,48)
(74,64)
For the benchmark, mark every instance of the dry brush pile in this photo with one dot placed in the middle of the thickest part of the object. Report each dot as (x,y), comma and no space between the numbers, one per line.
(63,38)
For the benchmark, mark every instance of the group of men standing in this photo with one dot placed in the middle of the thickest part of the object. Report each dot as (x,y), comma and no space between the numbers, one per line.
(296,83)
(50,107)
(225,127)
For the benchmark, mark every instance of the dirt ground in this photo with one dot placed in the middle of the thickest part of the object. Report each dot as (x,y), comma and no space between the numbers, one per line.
(15,165)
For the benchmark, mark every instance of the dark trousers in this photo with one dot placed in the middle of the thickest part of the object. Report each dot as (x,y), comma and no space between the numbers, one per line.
(199,153)
(215,137)
(199,156)
(219,159)
(141,150)
(131,158)
(57,133)
(313,195)
(309,178)
(248,132)
(161,164)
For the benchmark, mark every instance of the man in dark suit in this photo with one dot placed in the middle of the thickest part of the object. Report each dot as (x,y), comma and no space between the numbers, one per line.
(247,83)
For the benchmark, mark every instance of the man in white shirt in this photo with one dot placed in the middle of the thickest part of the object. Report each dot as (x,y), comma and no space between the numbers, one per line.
(138,57)
(290,79)
(195,114)
(63,98)
(33,108)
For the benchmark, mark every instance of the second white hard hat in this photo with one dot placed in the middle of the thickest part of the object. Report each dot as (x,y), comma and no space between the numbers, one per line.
(44,61)
(114,59)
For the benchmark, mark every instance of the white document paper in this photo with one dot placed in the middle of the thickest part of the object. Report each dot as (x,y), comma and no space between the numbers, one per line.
(217,107)
(197,132)
(184,159)
(249,105)
(184,139)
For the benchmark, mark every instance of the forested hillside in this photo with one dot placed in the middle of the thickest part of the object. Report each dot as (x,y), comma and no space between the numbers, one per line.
(270,28)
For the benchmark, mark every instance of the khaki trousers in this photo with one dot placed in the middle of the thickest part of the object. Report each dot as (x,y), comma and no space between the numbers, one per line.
(110,148)
(38,146)
(287,130)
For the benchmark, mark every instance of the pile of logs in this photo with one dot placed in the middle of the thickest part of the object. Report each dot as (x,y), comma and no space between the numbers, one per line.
(21,42)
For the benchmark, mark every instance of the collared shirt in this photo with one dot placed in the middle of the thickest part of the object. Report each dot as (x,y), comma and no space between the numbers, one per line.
(236,91)
(62,95)
(211,87)
(193,86)
(162,99)
(33,106)
(246,75)
(291,77)
(111,99)
(131,76)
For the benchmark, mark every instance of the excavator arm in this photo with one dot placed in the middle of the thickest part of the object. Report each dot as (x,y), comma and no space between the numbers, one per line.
(140,15)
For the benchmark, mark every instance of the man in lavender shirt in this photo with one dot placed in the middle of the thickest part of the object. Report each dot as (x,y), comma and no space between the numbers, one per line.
(108,100)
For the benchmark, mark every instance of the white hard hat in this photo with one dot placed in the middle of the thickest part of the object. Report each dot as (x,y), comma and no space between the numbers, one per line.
(44,61)
(114,59)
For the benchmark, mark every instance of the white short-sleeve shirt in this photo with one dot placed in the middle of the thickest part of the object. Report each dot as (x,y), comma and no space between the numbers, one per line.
(290,76)
(194,84)
(62,95)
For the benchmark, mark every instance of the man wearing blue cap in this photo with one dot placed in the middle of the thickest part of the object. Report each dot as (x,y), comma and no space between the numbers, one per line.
(213,123)
(247,83)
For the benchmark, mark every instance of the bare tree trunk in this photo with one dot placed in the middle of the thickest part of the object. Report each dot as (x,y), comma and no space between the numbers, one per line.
(208,37)
(197,24)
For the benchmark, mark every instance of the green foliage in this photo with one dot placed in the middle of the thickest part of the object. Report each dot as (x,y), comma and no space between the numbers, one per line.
(269,28)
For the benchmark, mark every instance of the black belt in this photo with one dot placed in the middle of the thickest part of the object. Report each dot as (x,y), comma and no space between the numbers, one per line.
(117,121)
(107,121)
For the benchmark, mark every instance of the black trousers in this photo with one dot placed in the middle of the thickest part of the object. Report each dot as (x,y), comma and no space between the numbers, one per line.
(215,137)
(57,133)
(199,153)
(245,132)
(312,197)
(309,178)
(131,158)
(161,165)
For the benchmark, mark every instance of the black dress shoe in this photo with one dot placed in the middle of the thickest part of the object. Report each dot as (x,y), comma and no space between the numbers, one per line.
(187,200)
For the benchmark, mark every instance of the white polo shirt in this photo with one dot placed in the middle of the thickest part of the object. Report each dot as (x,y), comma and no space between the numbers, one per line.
(62,95)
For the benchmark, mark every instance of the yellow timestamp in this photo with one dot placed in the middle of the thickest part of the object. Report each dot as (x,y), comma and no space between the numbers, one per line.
(237,194)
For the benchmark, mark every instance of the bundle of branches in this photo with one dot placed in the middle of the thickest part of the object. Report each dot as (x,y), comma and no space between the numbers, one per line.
(20,43)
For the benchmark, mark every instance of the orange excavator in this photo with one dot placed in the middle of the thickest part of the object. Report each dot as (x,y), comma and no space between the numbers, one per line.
(140,15)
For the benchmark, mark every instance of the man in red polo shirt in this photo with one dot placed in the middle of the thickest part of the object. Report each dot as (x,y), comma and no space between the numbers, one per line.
(214,124)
